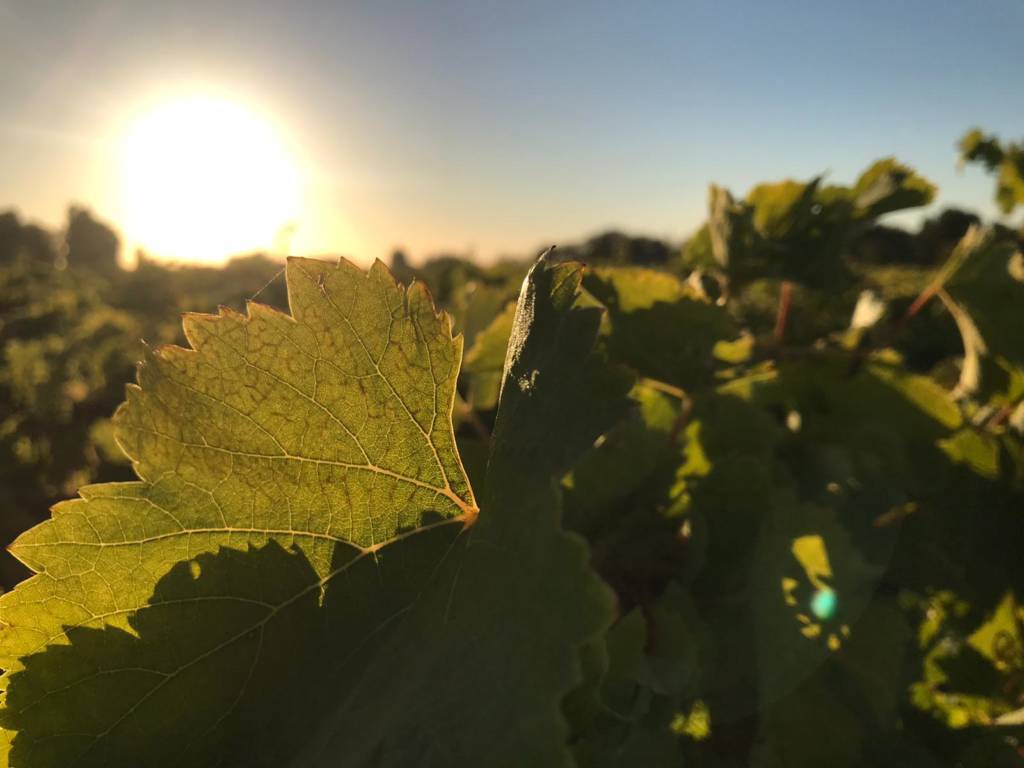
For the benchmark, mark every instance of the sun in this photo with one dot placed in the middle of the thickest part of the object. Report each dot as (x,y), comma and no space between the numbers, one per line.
(204,178)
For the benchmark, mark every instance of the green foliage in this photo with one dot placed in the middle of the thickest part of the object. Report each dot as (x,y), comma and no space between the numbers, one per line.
(801,231)
(64,355)
(990,279)
(758,506)
(660,326)
(485,361)
(889,186)
(1005,160)
(71,331)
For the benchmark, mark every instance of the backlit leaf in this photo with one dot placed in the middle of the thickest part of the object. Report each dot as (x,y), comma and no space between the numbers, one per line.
(301,575)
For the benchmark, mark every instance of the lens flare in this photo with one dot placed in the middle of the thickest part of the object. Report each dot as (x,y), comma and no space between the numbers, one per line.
(823,603)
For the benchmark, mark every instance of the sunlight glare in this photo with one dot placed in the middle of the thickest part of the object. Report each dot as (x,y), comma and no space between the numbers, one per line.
(204,178)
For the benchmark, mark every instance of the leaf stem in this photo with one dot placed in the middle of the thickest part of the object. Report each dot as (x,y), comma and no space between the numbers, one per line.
(663,387)
(782,317)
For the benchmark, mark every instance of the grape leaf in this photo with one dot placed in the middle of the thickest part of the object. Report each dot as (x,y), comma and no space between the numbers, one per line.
(301,576)
(889,186)
(644,678)
(989,282)
(621,496)
(660,326)
(486,359)
(527,600)
(1007,159)
(976,681)
(783,208)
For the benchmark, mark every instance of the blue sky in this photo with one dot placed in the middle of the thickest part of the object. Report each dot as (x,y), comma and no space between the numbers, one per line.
(499,126)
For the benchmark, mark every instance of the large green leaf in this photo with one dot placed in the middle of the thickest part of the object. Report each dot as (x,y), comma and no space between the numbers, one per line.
(620,496)
(301,576)
(642,682)
(660,326)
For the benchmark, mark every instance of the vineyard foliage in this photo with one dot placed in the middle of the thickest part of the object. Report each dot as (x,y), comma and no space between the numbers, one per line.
(758,500)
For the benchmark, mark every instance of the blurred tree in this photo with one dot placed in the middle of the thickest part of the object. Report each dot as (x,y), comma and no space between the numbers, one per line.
(400,266)
(617,248)
(89,243)
(880,244)
(24,240)
(65,355)
(939,235)
(70,335)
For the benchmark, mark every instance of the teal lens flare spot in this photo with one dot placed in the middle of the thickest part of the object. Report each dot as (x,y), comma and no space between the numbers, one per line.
(823,604)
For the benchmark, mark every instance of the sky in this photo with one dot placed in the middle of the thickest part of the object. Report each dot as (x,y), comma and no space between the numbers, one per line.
(493,128)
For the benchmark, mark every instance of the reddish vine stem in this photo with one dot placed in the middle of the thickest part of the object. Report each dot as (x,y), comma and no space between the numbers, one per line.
(782,318)
(1002,416)
(922,299)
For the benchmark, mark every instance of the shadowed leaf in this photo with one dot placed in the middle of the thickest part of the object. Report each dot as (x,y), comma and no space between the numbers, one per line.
(300,576)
